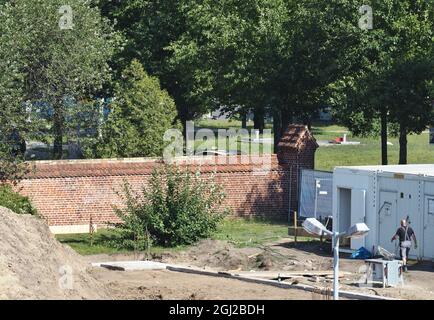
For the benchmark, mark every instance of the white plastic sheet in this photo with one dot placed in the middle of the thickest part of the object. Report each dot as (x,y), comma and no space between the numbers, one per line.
(316,189)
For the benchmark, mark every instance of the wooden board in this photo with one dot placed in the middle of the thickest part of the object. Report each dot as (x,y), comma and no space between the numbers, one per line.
(286,274)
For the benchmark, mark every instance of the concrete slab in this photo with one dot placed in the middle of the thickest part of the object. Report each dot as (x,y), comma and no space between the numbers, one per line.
(131,265)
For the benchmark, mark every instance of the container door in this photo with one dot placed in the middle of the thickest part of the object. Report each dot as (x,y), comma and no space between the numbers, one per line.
(388,220)
(358,213)
(428,232)
(409,208)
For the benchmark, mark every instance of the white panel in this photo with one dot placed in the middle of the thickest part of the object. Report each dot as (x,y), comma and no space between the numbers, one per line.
(388,221)
(69,229)
(409,208)
(428,228)
(358,213)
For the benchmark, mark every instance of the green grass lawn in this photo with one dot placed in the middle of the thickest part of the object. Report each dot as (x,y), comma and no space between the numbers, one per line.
(367,153)
(249,233)
(240,232)
(102,243)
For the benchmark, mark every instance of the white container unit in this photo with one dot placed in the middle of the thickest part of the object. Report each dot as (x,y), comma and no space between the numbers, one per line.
(381,196)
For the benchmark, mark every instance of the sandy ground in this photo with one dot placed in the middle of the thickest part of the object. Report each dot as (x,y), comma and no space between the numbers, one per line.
(164,284)
(34,265)
(278,256)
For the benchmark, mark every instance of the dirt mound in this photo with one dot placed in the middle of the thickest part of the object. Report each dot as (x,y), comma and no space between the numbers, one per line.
(223,255)
(219,255)
(34,265)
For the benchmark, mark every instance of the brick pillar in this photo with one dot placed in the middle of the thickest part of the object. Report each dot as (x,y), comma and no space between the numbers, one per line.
(296,151)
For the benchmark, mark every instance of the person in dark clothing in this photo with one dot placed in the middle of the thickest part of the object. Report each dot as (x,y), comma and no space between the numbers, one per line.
(405,234)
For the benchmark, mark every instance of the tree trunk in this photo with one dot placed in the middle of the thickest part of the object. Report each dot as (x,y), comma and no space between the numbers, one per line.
(258,119)
(285,121)
(277,128)
(402,144)
(308,122)
(58,123)
(281,120)
(244,120)
(383,137)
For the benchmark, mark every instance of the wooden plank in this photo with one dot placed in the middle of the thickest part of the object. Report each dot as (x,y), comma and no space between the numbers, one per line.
(288,274)
(303,233)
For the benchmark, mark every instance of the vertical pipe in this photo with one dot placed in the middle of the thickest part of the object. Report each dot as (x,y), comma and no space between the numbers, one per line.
(290,189)
(295,228)
(316,197)
(336,266)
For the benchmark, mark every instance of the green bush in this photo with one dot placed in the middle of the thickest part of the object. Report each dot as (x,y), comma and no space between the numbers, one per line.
(141,114)
(14,201)
(177,207)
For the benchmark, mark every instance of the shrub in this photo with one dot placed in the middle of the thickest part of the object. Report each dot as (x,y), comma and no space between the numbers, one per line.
(177,207)
(14,201)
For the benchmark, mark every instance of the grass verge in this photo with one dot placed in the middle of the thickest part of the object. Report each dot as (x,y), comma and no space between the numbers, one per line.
(240,232)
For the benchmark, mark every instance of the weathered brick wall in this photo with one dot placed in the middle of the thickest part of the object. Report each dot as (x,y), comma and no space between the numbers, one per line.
(68,193)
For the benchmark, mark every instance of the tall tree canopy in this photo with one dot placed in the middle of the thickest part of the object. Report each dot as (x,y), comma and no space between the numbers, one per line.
(393,85)
(54,54)
(150,26)
(274,55)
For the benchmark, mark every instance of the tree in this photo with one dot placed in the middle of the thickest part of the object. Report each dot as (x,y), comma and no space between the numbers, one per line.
(412,102)
(268,55)
(140,115)
(59,52)
(394,53)
(12,111)
(150,28)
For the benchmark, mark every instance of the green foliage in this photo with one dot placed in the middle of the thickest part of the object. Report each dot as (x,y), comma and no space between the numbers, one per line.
(177,207)
(151,27)
(12,166)
(14,201)
(42,63)
(289,57)
(141,114)
(396,70)
(84,121)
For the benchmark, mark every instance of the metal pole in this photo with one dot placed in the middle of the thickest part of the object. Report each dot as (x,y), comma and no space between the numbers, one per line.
(316,197)
(295,228)
(336,266)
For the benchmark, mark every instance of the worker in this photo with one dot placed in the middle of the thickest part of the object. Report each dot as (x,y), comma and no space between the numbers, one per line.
(405,234)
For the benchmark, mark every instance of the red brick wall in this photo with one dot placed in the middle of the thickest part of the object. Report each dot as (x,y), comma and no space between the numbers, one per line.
(68,192)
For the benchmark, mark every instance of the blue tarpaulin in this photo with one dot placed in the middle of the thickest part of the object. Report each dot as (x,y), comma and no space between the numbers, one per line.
(361,253)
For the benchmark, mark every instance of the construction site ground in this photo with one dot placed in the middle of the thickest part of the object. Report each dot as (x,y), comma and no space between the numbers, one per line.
(35,265)
(304,262)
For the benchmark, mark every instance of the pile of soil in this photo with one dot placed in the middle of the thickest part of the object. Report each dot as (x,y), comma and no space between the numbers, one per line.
(224,256)
(34,265)
(219,255)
